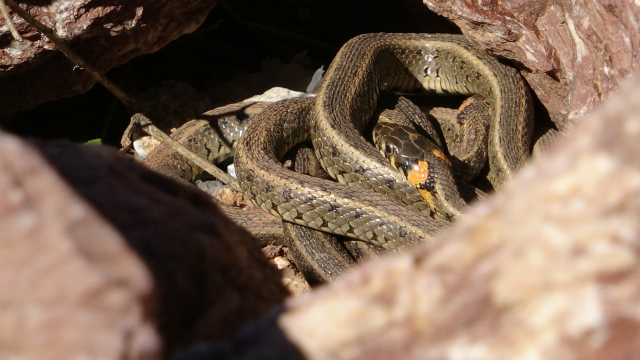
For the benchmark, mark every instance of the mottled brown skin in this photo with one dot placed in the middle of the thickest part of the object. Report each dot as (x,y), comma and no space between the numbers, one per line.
(317,203)
(217,143)
(212,136)
(440,179)
(424,165)
(444,64)
(320,257)
(439,63)
(467,138)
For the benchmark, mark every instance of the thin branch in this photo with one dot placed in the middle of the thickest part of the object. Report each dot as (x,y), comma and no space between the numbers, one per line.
(152,130)
(9,21)
(126,99)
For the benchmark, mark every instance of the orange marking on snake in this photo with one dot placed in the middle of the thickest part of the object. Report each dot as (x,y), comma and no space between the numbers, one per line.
(466,103)
(419,175)
(440,155)
(428,197)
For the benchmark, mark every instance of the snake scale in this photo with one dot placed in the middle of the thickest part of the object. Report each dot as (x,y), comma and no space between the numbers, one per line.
(373,202)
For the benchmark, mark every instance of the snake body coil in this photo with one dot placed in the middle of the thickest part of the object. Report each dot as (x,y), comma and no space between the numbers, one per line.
(394,213)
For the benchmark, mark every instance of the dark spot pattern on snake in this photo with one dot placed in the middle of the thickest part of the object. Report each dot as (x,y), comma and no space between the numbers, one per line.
(336,110)
(334,151)
(288,195)
(391,184)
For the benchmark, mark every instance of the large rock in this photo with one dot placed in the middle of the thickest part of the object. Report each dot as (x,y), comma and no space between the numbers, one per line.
(102,258)
(572,53)
(70,285)
(105,33)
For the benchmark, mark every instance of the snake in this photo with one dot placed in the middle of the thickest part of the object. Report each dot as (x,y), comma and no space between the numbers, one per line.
(372,201)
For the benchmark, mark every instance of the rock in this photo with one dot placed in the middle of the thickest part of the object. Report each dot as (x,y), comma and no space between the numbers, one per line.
(103,258)
(572,53)
(276,94)
(105,33)
(234,198)
(71,286)
(547,268)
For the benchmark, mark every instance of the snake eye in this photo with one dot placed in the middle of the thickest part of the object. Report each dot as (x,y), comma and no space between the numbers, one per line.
(388,149)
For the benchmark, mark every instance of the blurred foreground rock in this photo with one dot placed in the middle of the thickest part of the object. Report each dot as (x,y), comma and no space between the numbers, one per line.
(545,269)
(572,53)
(104,259)
(105,33)
(70,287)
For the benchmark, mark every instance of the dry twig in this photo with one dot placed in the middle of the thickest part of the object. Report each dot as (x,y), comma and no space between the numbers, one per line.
(8,21)
(152,130)
(126,99)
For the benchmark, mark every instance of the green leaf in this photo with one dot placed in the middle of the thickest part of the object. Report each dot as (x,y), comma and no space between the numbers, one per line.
(94,142)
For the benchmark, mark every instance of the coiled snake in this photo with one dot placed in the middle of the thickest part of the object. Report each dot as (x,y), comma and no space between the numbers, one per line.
(373,201)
